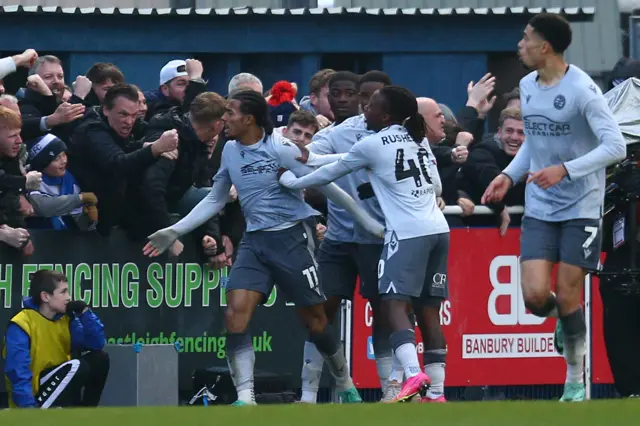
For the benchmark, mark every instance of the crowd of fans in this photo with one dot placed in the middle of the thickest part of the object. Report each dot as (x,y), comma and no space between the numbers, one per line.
(100,153)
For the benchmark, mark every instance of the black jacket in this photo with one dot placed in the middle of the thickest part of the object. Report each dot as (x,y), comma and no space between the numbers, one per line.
(157,103)
(469,121)
(165,182)
(102,162)
(34,106)
(486,161)
(12,185)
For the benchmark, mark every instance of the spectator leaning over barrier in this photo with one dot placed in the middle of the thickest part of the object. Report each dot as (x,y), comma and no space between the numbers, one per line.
(31,126)
(180,82)
(167,185)
(447,158)
(244,81)
(58,203)
(103,76)
(43,343)
(489,158)
(104,157)
(13,183)
(43,97)
(318,102)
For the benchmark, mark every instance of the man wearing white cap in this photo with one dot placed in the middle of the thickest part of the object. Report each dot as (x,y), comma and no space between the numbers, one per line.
(180,82)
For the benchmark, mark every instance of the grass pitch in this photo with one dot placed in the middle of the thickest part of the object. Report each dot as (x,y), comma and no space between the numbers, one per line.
(593,413)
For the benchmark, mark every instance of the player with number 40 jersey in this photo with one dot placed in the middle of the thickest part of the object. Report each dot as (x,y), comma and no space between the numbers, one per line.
(413,266)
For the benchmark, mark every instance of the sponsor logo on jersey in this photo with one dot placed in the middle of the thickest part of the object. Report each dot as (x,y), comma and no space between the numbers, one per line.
(539,125)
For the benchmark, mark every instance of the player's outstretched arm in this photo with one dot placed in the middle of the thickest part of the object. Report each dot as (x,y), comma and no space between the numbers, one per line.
(317,160)
(612,148)
(210,206)
(320,177)
(520,164)
(288,160)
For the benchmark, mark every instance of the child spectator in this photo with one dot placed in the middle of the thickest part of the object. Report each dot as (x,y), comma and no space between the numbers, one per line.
(58,203)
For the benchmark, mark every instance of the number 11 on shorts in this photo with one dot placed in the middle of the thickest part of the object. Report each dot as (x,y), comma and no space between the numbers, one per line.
(312,277)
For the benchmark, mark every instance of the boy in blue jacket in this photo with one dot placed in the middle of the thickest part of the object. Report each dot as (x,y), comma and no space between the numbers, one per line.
(41,341)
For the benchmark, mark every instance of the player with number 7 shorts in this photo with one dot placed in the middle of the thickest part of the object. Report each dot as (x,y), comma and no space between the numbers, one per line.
(571,137)
(413,266)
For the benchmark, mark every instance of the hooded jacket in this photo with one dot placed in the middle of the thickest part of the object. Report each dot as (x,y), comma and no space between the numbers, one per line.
(86,333)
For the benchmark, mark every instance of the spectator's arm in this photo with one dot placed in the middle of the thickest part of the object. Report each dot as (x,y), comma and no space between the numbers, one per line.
(194,88)
(32,128)
(442,155)
(48,206)
(470,121)
(17,366)
(12,181)
(111,158)
(7,66)
(74,99)
(153,193)
(212,229)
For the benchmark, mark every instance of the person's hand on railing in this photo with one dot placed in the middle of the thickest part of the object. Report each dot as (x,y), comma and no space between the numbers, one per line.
(505,220)
(466,205)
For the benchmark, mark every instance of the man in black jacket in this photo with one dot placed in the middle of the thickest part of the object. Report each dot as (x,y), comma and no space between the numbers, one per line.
(180,82)
(104,157)
(43,96)
(168,185)
(487,160)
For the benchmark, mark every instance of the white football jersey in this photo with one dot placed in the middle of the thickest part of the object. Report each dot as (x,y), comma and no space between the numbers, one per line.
(403,175)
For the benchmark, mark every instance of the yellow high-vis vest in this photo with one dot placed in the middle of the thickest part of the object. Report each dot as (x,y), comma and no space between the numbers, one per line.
(50,344)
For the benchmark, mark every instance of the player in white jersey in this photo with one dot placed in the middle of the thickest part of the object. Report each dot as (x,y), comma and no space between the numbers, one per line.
(413,265)
(571,137)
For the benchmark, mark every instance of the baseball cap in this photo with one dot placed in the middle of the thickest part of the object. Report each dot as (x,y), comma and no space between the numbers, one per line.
(173,69)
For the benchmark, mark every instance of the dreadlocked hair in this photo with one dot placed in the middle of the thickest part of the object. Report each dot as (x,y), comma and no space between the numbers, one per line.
(402,106)
(253,103)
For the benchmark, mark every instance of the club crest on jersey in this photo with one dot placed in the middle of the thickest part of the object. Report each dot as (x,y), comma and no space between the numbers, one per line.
(359,136)
(528,98)
(559,102)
